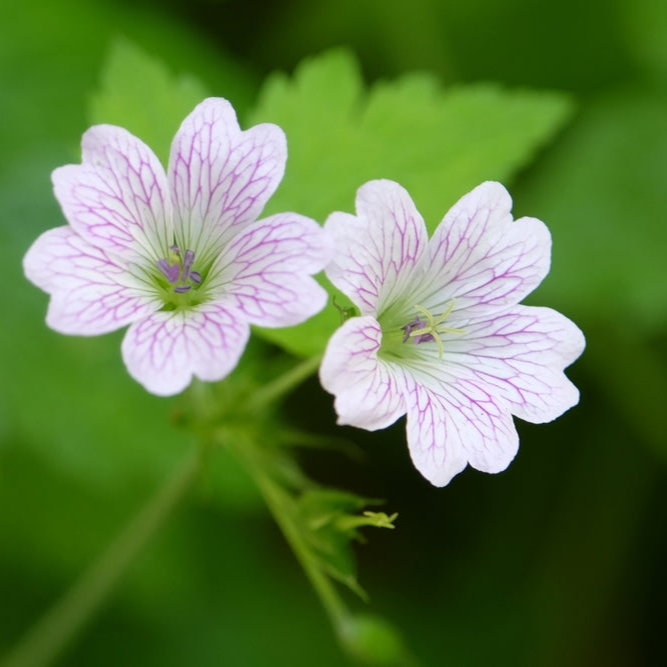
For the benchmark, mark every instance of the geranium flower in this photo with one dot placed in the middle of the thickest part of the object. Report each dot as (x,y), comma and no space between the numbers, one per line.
(439,335)
(180,256)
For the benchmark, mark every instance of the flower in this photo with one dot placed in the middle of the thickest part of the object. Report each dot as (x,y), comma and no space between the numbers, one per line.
(180,256)
(439,335)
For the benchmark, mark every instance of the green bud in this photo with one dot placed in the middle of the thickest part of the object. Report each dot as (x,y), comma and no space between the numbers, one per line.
(373,641)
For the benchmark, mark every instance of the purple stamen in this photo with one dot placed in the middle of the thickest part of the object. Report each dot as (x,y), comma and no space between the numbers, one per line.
(424,338)
(171,271)
(180,271)
(188,259)
(415,325)
(410,326)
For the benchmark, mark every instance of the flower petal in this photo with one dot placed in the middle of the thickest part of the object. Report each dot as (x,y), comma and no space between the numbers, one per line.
(221,177)
(117,199)
(520,356)
(266,270)
(456,423)
(165,350)
(376,250)
(482,258)
(90,295)
(368,391)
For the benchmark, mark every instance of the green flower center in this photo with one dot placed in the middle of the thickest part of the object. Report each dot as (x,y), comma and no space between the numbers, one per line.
(423,328)
(180,290)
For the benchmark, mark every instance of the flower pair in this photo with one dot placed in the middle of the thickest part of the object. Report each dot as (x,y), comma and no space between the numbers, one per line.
(181,258)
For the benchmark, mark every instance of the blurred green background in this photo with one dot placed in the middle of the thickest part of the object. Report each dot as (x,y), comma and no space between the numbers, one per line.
(557,561)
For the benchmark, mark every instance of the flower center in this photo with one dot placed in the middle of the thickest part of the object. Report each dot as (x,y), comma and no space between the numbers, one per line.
(177,269)
(429,330)
(423,328)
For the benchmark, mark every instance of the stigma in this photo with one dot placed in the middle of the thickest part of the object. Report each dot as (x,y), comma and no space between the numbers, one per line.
(429,329)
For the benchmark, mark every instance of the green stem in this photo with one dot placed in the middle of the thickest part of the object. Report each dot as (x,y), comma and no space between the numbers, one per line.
(279,502)
(46,641)
(284,383)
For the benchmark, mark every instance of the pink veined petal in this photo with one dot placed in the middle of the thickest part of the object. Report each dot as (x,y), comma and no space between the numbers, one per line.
(451,425)
(520,356)
(368,391)
(164,351)
(89,294)
(376,250)
(267,270)
(117,199)
(482,258)
(221,177)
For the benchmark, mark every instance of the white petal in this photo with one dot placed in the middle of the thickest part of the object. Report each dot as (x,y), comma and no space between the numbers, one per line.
(267,270)
(117,198)
(164,351)
(221,177)
(454,423)
(90,295)
(520,356)
(483,259)
(368,391)
(376,250)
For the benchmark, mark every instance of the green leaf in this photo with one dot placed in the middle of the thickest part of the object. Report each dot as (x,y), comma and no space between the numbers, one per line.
(437,143)
(140,94)
(329,520)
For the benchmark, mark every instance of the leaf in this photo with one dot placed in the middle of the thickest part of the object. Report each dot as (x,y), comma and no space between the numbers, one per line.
(329,520)
(437,143)
(141,95)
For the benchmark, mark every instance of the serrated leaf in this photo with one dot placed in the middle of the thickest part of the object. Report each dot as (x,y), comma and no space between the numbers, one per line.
(437,143)
(140,94)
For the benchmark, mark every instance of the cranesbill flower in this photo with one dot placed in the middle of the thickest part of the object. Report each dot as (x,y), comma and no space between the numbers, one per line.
(179,256)
(440,335)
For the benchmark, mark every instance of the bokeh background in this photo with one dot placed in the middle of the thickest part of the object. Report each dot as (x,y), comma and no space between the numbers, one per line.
(557,561)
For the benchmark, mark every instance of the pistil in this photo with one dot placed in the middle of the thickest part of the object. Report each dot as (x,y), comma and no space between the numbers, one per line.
(429,330)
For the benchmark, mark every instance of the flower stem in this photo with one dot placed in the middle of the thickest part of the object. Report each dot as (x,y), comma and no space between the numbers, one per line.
(279,500)
(284,383)
(279,503)
(46,641)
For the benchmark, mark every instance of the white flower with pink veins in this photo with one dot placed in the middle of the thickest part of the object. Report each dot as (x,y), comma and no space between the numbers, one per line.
(440,334)
(179,256)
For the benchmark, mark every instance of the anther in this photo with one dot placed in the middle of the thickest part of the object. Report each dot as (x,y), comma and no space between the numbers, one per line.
(171,271)
(177,269)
